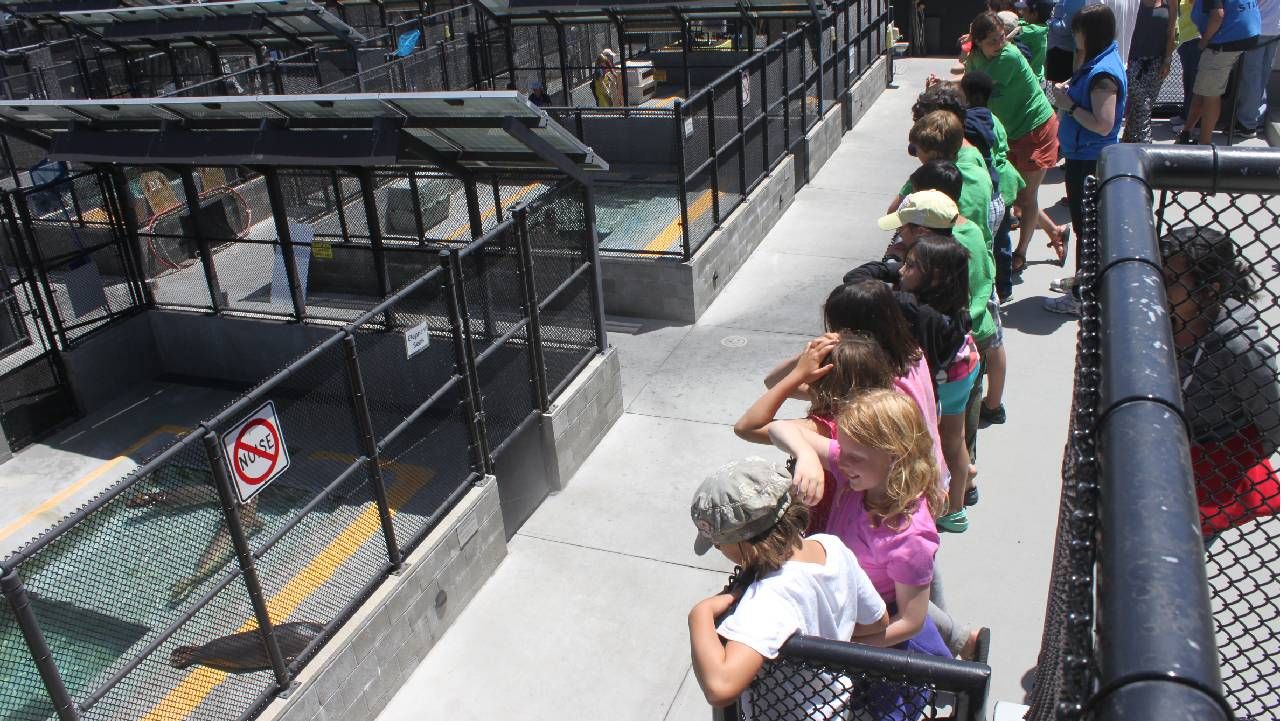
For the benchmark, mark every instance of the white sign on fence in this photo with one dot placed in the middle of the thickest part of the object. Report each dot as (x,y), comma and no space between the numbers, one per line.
(417,339)
(255,451)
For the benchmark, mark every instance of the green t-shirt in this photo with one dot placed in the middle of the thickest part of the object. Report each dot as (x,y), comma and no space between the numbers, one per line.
(1034,37)
(1011,180)
(1017,98)
(982,269)
(976,190)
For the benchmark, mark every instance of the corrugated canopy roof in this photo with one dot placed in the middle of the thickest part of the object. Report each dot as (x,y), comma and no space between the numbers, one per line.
(497,130)
(270,22)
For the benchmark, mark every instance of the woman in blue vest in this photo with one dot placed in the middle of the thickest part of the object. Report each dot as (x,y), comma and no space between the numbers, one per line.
(1093,102)
(1228,28)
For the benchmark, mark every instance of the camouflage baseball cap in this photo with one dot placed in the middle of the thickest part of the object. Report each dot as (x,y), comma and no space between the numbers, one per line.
(738,501)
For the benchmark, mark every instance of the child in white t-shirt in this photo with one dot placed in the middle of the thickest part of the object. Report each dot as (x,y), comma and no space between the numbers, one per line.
(812,586)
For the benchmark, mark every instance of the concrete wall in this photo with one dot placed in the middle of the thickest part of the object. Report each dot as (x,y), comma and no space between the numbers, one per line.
(372,656)
(236,350)
(581,417)
(108,363)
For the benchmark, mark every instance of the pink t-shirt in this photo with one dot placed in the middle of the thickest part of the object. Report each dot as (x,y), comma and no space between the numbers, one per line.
(917,386)
(887,556)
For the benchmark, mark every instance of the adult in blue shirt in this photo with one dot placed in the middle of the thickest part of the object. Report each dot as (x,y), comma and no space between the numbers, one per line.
(1228,28)
(1061,53)
(1093,102)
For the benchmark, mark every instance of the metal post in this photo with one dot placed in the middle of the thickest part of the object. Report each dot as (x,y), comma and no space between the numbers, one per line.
(202,240)
(465,356)
(743,77)
(245,556)
(474,218)
(818,61)
(713,154)
(16,593)
(130,219)
(498,199)
(537,363)
(622,54)
(375,235)
(24,215)
(511,51)
(286,243)
(340,201)
(562,56)
(444,66)
(787,101)
(678,128)
(414,196)
(685,43)
(369,446)
(765,159)
(591,251)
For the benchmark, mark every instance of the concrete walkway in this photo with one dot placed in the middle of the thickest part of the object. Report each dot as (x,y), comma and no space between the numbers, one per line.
(586,616)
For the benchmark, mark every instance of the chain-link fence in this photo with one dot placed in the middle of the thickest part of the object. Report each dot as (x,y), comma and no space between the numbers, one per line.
(1164,592)
(690,166)
(816,679)
(176,594)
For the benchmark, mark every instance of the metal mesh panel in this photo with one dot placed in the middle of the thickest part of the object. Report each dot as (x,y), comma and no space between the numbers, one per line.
(1232,445)
(558,234)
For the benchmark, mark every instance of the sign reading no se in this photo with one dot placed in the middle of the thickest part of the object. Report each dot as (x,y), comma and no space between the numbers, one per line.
(255,451)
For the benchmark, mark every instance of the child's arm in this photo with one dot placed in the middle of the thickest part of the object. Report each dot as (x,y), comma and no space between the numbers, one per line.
(807,447)
(872,629)
(809,367)
(723,670)
(913,602)
(801,392)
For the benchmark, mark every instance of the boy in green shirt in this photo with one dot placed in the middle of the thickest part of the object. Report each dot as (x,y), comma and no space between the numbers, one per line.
(939,136)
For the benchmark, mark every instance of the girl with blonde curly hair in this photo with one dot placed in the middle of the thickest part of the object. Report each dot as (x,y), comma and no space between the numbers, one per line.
(887,498)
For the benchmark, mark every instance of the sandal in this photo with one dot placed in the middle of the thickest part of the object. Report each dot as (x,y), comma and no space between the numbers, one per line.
(1060,245)
(952,522)
(1018,261)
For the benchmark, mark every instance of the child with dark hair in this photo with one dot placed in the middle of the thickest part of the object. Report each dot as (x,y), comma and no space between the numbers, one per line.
(1027,116)
(1034,16)
(1229,378)
(812,586)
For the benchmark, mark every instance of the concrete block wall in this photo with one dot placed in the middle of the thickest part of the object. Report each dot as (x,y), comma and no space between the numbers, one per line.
(372,656)
(581,415)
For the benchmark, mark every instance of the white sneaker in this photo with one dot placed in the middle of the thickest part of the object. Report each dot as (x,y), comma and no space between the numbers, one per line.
(1063,285)
(1065,304)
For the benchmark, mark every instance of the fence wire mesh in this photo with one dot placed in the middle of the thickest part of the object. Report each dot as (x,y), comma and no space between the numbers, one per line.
(1218,253)
(143,596)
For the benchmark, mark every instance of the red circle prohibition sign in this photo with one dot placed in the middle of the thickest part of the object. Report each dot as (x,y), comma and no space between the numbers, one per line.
(271,457)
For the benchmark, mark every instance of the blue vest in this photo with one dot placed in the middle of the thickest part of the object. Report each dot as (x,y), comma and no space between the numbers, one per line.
(1240,20)
(1076,142)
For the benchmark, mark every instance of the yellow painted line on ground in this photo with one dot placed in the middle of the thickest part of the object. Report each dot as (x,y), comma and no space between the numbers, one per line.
(84,480)
(196,687)
(660,102)
(672,233)
(515,196)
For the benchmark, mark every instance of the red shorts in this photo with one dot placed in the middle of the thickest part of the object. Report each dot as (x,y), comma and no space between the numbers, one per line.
(1235,482)
(1038,150)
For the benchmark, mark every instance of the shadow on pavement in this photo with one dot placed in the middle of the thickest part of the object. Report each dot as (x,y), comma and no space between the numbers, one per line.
(1027,316)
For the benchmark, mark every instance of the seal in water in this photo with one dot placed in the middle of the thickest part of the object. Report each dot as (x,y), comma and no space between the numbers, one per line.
(245,652)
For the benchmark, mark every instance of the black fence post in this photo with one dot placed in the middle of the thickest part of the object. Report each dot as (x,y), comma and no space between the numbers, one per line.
(340,205)
(787,100)
(678,130)
(537,363)
(280,215)
(744,79)
(366,179)
(15,592)
(132,244)
(591,250)
(202,240)
(369,445)
(465,355)
(714,154)
(245,556)
(415,195)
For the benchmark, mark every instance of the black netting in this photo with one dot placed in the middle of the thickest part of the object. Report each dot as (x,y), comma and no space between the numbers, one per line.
(1226,330)
(836,682)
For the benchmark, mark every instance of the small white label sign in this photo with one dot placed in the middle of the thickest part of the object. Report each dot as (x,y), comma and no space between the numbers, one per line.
(417,339)
(689,127)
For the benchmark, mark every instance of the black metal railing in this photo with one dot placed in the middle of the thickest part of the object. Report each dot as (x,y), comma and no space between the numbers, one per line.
(1164,591)
(728,135)
(815,678)
(386,423)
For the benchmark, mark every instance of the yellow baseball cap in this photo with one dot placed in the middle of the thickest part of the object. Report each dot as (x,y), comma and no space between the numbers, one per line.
(928,208)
